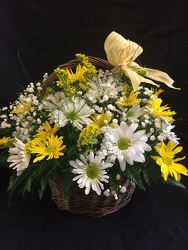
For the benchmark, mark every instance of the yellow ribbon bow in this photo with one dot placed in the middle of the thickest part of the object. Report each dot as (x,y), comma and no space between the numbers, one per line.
(122,54)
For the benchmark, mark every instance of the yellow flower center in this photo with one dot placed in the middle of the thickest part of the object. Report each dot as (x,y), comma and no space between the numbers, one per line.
(92,171)
(123,143)
(50,149)
(129,114)
(168,160)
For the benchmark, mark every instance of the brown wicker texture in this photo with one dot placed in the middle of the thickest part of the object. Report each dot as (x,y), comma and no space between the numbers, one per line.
(92,204)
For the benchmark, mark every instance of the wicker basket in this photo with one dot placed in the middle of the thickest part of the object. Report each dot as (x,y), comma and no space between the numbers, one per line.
(92,204)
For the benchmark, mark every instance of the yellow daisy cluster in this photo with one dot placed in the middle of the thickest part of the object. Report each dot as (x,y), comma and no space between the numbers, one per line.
(46,144)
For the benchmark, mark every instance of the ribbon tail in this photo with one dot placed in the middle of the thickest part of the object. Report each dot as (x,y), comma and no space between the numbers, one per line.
(117,70)
(160,76)
(135,78)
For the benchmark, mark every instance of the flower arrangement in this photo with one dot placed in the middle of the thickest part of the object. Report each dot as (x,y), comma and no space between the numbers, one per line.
(97,127)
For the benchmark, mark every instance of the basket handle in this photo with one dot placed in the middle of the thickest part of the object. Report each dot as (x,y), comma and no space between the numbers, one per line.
(73,63)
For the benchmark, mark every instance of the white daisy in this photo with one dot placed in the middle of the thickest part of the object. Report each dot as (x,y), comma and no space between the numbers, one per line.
(75,111)
(167,132)
(19,157)
(90,172)
(126,144)
(135,112)
(103,87)
(54,101)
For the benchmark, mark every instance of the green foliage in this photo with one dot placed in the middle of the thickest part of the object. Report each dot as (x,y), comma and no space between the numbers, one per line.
(134,175)
(69,186)
(23,68)
(34,177)
(171,181)
(3,158)
(151,173)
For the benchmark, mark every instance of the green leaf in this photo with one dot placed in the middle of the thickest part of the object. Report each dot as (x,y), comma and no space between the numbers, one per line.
(133,174)
(27,186)
(69,185)
(146,176)
(154,173)
(174,182)
(42,188)
(3,158)
(12,186)
(23,68)
(12,182)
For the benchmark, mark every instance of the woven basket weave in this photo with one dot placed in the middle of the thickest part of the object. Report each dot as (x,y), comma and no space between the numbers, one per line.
(79,203)
(92,204)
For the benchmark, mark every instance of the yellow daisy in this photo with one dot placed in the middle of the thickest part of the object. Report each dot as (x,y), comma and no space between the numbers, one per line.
(24,107)
(103,119)
(167,162)
(78,75)
(128,100)
(46,130)
(160,111)
(52,147)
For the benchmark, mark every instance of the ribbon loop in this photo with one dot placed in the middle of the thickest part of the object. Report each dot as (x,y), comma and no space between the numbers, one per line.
(122,54)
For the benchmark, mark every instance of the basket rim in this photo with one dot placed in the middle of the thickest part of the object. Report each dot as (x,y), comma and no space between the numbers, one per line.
(97,61)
